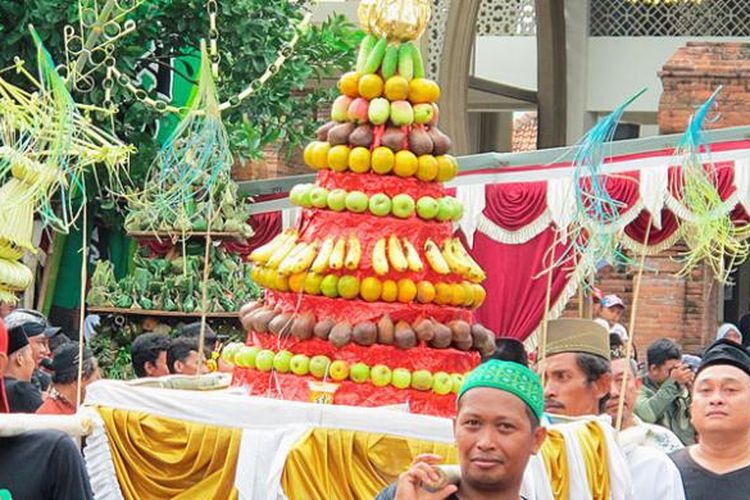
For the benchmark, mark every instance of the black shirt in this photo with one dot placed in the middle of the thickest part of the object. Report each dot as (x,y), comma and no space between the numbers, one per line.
(23,397)
(41,465)
(702,484)
(41,380)
(389,493)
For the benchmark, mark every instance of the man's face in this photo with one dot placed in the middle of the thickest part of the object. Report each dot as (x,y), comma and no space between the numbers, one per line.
(6,308)
(611,314)
(658,374)
(40,348)
(191,365)
(566,390)
(721,400)
(24,360)
(733,336)
(158,369)
(494,439)
(619,368)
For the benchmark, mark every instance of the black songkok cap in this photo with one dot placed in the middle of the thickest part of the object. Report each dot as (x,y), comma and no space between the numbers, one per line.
(16,340)
(726,352)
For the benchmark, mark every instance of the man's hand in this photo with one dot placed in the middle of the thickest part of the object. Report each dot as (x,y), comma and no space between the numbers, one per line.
(409,485)
(683,375)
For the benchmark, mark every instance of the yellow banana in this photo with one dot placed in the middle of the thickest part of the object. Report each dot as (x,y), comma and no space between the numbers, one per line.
(379,259)
(280,253)
(263,253)
(337,256)
(435,258)
(412,257)
(396,255)
(285,267)
(457,265)
(475,273)
(320,264)
(353,253)
(304,258)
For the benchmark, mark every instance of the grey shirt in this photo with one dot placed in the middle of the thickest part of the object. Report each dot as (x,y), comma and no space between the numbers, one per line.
(702,484)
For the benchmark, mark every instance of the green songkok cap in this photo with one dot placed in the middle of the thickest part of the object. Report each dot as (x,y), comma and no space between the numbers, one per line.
(509,377)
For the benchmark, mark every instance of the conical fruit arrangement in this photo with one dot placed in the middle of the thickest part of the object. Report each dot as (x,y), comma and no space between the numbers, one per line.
(371,290)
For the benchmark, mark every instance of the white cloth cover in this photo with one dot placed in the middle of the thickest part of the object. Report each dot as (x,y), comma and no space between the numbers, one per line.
(561,203)
(289,217)
(473,200)
(742,181)
(652,188)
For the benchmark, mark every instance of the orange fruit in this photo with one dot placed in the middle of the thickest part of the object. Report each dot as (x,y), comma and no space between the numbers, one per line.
(428,168)
(382,160)
(406,164)
(447,168)
(425,292)
(349,84)
(297,282)
(320,155)
(479,294)
(390,291)
(281,283)
(312,283)
(370,289)
(423,90)
(407,290)
(396,88)
(443,293)
(370,86)
(458,294)
(338,158)
(468,294)
(359,160)
(307,155)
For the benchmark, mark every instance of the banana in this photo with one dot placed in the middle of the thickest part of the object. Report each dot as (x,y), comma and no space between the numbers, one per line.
(285,267)
(353,253)
(264,252)
(435,258)
(337,256)
(457,265)
(390,61)
(303,259)
(476,273)
(405,61)
(379,259)
(320,264)
(396,255)
(281,252)
(412,257)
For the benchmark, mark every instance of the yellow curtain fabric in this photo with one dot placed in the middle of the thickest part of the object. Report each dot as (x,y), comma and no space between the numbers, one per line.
(555,461)
(331,463)
(594,450)
(156,457)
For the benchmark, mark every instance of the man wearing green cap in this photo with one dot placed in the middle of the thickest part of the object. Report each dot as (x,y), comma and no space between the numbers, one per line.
(496,430)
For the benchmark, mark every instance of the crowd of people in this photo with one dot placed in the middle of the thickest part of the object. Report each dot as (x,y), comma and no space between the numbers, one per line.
(684,419)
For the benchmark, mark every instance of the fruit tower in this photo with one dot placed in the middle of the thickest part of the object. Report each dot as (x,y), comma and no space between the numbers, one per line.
(371,290)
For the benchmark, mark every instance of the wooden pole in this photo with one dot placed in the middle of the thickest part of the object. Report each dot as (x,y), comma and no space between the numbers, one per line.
(82,303)
(547,304)
(631,326)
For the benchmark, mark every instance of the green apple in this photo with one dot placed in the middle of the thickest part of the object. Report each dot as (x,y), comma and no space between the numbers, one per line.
(319,365)
(329,286)
(458,380)
(421,380)
(402,206)
(282,360)
(229,352)
(401,378)
(442,383)
(423,113)
(339,370)
(319,197)
(458,209)
(359,373)
(300,364)
(246,356)
(312,283)
(357,202)
(264,360)
(337,200)
(380,204)
(427,207)
(380,375)
(445,208)
(300,195)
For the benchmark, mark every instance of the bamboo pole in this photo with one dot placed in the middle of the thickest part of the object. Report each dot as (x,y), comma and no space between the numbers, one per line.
(631,326)
(82,304)
(547,301)
(204,283)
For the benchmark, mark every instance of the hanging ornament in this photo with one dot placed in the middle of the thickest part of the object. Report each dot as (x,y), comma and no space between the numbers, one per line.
(397,20)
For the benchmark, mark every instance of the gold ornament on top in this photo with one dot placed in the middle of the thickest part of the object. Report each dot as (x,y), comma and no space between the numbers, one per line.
(397,20)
